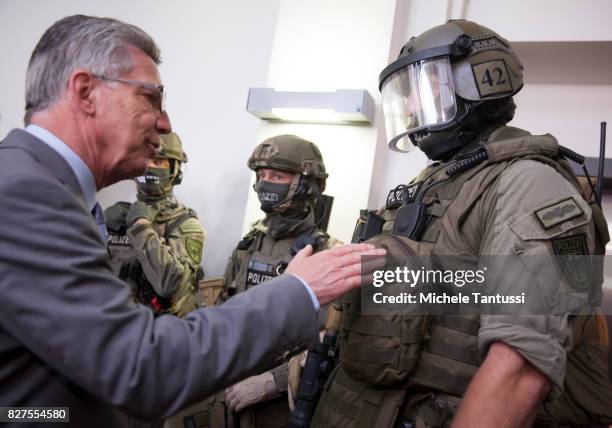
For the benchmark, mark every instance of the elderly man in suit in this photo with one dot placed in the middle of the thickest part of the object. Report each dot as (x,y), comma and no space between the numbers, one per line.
(69,334)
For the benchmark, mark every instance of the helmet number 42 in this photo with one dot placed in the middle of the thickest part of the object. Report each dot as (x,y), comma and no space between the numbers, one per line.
(492,78)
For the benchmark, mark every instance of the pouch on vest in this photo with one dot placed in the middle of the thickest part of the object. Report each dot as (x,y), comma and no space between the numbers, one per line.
(349,403)
(382,347)
(245,248)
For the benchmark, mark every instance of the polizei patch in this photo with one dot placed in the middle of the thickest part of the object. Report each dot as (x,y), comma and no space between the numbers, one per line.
(120,240)
(258,272)
(558,213)
(572,253)
(401,195)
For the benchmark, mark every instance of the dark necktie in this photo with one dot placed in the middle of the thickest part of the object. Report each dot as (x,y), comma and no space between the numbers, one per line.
(98,215)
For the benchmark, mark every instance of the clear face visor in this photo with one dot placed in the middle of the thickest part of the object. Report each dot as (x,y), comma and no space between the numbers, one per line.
(417,96)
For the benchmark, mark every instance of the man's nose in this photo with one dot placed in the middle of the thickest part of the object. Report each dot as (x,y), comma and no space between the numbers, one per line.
(162,124)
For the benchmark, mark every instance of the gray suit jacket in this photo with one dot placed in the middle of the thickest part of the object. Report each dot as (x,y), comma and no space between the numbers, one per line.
(69,333)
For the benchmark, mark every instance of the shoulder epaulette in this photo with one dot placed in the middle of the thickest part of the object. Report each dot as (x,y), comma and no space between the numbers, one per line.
(248,239)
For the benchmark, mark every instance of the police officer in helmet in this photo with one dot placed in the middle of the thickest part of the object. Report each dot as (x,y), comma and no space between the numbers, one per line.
(450,86)
(491,190)
(156,243)
(290,178)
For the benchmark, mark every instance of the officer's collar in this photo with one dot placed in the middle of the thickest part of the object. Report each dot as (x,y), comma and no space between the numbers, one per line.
(282,225)
(490,135)
(506,133)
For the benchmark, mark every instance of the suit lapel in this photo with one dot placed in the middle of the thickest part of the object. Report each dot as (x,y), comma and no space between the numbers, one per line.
(47,157)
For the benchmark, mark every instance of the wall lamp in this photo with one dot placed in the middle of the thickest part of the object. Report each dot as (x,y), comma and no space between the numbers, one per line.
(344,106)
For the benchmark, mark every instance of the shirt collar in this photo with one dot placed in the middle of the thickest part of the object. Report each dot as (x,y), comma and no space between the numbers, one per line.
(80,169)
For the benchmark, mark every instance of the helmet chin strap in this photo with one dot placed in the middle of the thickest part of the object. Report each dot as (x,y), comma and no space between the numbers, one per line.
(300,191)
(177,173)
(293,188)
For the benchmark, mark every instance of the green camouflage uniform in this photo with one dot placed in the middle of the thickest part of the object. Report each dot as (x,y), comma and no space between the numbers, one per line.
(160,260)
(155,244)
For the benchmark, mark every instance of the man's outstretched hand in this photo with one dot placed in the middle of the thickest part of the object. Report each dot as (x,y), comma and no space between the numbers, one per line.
(332,273)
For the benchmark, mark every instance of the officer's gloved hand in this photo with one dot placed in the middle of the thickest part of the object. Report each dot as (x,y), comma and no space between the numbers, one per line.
(140,210)
(115,215)
(252,390)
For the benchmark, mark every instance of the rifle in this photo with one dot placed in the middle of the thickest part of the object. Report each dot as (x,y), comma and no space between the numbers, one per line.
(321,359)
(319,364)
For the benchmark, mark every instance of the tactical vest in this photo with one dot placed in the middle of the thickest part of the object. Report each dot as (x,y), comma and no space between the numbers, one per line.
(257,264)
(126,266)
(394,363)
(258,258)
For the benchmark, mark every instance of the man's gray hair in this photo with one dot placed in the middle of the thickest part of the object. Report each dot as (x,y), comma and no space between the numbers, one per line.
(99,45)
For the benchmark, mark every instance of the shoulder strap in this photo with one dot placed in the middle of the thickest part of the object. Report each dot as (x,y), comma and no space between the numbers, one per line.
(247,240)
(495,156)
(178,221)
(248,245)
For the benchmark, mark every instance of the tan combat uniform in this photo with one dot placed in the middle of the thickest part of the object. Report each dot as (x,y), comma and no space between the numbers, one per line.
(258,258)
(398,365)
(160,261)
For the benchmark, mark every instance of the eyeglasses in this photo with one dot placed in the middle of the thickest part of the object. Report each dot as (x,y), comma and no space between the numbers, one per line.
(159,102)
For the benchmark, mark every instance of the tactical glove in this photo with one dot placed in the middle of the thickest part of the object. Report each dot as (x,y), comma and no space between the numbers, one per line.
(140,210)
(252,390)
(114,216)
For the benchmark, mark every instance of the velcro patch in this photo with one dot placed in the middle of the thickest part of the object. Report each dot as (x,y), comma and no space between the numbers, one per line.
(558,213)
(194,249)
(258,272)
(401,195)
(572,253)
(492,78)
(190,226)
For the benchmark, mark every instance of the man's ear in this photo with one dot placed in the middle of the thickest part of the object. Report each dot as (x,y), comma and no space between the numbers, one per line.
(81,89)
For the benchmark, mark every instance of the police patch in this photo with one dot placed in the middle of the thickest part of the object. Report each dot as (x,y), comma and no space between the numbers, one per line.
(115,239)
(401,195)
(258,272)
(558,213)
(572,253)
(194,249)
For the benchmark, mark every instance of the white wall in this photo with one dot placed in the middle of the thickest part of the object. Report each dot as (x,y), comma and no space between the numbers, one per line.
(543,20)
(213,51)
(326,45)
(566,48)
(393,168)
